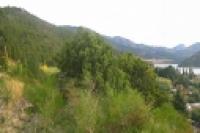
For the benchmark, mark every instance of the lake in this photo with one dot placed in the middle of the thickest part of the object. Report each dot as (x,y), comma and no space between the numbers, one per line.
(196,70)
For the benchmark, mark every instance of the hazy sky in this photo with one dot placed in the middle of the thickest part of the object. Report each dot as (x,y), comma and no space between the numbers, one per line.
(154,22)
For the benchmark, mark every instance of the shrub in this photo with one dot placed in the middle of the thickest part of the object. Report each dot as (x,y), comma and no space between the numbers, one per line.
(84,110)
(166,119)
(47,102)
(117,111)
(123,111)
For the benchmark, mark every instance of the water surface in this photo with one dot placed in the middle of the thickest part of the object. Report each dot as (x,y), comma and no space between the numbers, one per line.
(196,70)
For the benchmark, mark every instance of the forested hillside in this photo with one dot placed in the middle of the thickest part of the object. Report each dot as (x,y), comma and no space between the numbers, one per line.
(80,84)
(33,36)
(28,39)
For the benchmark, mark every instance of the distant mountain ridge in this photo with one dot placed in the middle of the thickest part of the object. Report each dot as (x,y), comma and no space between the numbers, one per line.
(177,54)
(180,47)
(193,61)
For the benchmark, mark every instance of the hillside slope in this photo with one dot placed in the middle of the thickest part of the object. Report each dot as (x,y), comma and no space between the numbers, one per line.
(193,61)
(25,37)
(93,88)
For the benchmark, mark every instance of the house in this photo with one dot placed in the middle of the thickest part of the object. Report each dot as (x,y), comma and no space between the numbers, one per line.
(191,106)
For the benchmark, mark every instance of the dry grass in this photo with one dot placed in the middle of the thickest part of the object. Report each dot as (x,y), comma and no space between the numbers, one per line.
(13,112)
(16,88)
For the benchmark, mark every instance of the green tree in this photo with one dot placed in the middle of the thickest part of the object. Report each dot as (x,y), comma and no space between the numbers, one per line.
(141,76)
(179,102)
(169,73)
(195,115)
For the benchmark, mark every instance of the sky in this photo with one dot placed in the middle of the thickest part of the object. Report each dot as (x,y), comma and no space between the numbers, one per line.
(154,22)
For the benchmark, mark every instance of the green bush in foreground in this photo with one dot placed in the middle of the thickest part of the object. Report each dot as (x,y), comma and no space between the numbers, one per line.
(83,111)
(124,112)
(47,103)
(114,112)
(166,119)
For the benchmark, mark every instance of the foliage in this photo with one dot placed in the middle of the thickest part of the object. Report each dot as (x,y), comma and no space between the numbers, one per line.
(165,95)
(174,75)
(167,120)
(168,72)
(179,102)
(89,55)
(84,52)
(83,111)
(195,115)
(141,76)
(28,39)
(124,112)
(165,83)
(47,102)
(195,96)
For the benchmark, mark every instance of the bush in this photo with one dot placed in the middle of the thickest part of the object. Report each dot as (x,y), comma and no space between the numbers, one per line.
(166,119)
(88,53)
(83,110)
(113,112)
(179,102)
(123,111)
(47,102)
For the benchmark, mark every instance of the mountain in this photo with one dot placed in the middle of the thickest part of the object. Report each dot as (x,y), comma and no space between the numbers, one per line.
(180,47)
(145,51)
(177,54)
(193,61)
(187,52)
(27,37)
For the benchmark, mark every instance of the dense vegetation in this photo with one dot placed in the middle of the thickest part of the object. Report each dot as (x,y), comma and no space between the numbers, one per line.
(89,87)
(196,115)
(104,67)
(28,39)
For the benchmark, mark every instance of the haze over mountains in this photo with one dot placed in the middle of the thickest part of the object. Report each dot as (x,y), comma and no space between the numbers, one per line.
(192,61)
(19,30)
(176,54)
